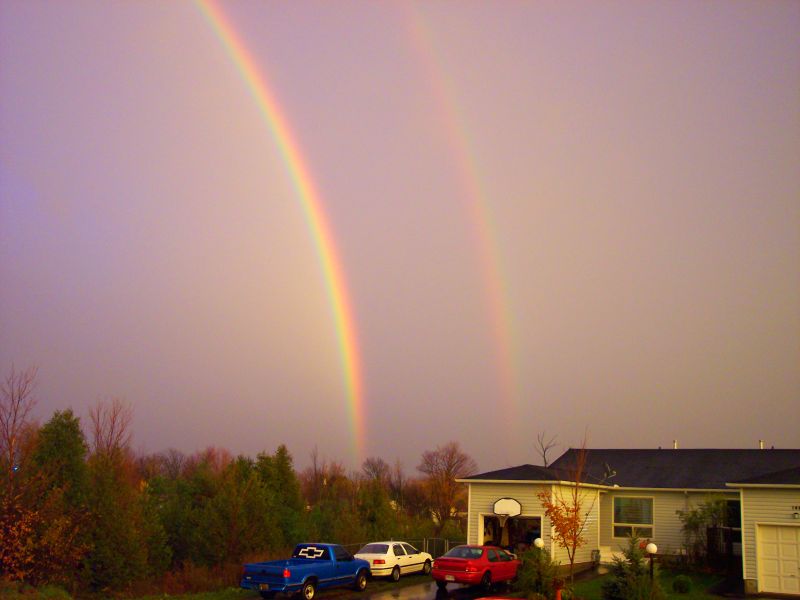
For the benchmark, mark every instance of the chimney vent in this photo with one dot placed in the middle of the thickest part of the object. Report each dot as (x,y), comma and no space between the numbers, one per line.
(760,444)
(674,444)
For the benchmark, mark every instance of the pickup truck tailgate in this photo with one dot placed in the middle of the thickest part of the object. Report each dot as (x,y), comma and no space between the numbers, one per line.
(262,573)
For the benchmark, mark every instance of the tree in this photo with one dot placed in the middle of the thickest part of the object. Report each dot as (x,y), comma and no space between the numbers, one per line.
(376,469)
(568,513)
(16,403)
(630,577)
(696,522)
(19,517)
(544,445)
(442,467)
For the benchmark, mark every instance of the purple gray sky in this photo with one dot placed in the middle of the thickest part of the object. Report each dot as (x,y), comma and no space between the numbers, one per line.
(625,177)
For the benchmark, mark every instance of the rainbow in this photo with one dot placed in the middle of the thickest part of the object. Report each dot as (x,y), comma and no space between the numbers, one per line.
(476,204)
(297,167)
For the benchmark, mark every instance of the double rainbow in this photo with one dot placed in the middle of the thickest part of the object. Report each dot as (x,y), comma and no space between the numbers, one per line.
(333,272)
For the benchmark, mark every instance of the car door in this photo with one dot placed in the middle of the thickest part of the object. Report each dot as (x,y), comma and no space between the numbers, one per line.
(507,565)
(400,557)
(415,560)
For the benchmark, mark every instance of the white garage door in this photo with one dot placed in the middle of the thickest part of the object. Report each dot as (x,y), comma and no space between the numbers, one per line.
(779,559)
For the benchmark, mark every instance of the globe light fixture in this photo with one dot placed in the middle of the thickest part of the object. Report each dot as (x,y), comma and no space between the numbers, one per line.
(651,549)
(539,543)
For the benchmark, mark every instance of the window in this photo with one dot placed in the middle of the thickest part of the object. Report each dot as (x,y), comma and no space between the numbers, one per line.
(398,550)
(633,517)
(410,549)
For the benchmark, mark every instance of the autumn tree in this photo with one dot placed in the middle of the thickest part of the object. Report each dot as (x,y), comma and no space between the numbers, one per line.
(19,518)
(569,511)
(441,468)
(128,542)
(16,404)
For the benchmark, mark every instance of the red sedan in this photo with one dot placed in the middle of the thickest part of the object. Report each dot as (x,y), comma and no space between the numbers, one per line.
(475,565)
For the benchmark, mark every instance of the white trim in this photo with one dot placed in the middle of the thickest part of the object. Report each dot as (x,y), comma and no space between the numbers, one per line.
(781,486)
(652,525)
(469,511)
(744,537)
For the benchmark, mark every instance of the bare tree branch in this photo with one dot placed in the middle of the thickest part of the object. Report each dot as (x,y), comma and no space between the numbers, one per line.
(111,421)
(543,445)
(16,403)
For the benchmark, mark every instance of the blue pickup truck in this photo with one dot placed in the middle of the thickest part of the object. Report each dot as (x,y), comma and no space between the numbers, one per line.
(312,566)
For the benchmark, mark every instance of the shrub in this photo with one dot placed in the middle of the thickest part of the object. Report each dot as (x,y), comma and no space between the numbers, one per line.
(630,577)
(682,584)
(536,574)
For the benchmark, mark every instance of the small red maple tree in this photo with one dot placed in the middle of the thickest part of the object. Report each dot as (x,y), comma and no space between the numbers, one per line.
(569,512)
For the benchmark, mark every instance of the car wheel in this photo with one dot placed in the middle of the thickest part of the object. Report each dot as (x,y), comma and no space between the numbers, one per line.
(309,590)
(441,585)
(426,568)
(395,575)
(486,582)
(360,583)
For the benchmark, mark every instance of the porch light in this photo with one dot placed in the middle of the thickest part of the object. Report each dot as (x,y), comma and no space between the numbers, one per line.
(539,543)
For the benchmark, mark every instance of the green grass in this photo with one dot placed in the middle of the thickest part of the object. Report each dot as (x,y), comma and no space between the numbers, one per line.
(591,589)
(374,585)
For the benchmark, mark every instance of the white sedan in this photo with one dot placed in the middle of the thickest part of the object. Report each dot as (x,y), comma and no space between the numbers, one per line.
(395,559)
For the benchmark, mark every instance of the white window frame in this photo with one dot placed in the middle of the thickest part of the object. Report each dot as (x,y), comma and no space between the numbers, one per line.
(633,526)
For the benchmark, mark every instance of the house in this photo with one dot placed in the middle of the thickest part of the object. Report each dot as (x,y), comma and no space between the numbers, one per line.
(638,492)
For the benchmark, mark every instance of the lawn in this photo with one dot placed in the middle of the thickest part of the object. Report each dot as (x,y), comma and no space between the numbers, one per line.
(374,585)
(590,589)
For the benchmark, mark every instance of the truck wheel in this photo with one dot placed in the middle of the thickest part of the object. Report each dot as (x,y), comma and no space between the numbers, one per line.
(308,591)
(426,568)
(360,583)
(395,574)
(267,595)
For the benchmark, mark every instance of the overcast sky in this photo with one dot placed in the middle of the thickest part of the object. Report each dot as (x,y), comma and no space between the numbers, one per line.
(559,217)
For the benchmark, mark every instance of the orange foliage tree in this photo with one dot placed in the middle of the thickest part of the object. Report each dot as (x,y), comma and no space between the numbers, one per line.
(569,512)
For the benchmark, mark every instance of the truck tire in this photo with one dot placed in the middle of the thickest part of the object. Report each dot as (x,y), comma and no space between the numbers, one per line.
(395,574)
(360,583)
(309,590)
(267,595)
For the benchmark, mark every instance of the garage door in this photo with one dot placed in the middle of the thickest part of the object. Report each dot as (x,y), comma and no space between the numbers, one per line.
(779,559)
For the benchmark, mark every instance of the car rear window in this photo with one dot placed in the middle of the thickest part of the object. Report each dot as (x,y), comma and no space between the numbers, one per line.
(464,552)
(374,549)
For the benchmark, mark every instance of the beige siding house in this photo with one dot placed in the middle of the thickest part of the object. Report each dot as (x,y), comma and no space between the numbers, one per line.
(639,492)
(771,532)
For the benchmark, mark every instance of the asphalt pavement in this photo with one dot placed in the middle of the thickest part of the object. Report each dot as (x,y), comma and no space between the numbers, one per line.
(429,591)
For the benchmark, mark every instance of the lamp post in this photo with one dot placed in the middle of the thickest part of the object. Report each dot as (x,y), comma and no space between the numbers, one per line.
(539,543)
(651,549)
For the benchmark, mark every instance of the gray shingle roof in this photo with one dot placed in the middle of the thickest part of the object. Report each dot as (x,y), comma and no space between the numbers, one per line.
(784,477)
(520,473)
(681,469)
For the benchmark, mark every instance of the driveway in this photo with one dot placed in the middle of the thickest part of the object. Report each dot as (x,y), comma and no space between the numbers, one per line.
(429,591)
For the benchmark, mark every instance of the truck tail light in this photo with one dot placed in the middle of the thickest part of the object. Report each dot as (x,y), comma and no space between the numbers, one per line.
(378,561)
(287,573)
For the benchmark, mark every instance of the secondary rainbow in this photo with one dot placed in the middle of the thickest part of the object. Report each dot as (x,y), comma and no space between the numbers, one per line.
(476,204)
(297,167)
